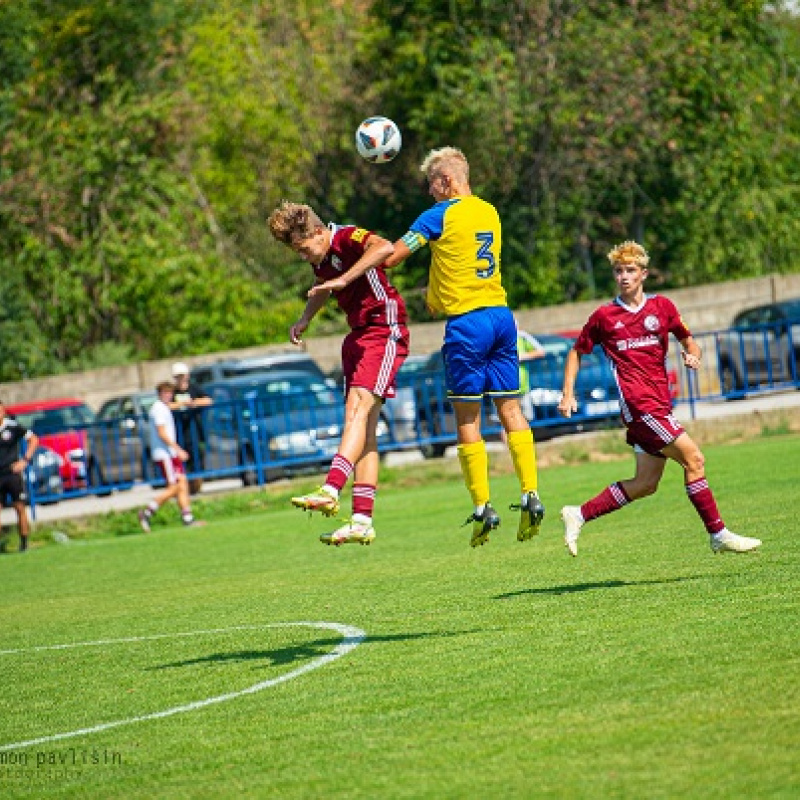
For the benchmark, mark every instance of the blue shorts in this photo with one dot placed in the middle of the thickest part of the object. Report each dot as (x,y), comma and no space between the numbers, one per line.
(480,354)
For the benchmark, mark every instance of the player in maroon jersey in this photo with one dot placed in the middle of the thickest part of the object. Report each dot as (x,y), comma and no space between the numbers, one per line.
(348,262)
(633,331)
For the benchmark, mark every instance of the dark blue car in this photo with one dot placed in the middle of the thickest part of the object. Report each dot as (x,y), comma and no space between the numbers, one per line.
(272,425)
(595,390)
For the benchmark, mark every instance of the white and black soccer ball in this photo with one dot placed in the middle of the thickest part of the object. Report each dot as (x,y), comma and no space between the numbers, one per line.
(378,140)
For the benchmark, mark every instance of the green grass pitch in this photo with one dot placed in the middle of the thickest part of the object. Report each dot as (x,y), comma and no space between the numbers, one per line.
(645,668)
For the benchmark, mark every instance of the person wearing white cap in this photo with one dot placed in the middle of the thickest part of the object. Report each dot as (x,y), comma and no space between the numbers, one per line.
(187,405)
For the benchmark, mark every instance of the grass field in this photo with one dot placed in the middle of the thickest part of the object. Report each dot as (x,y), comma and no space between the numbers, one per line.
(646,668)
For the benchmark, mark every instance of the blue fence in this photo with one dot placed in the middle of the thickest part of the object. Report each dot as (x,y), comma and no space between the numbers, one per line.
(262,439)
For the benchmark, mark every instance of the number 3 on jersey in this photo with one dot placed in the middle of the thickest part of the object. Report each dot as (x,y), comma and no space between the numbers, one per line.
(485,242)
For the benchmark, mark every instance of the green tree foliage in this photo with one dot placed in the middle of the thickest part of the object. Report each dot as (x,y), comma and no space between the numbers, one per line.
(142,145)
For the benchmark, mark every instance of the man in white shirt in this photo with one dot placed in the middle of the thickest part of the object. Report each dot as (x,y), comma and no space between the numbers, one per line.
(168,457)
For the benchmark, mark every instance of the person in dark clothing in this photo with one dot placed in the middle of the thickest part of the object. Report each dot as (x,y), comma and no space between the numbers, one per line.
(187,406)
(11,468)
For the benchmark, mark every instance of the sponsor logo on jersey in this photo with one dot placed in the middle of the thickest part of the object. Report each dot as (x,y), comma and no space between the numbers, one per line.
(633,344)
(651,322)
(358,235)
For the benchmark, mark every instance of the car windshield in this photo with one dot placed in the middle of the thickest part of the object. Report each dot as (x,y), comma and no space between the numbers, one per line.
(56,419)
(147,402)
(557,348)
(238,370)
(792,308)
(295,394)
(414,364)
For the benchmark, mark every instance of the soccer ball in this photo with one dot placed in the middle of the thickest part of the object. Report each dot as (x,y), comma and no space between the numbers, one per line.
(378,140)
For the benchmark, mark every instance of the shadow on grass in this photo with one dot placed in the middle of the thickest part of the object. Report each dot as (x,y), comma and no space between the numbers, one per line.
(590,587)
(285,656)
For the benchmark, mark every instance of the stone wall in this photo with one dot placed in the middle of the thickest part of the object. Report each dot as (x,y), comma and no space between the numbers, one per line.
(705,308)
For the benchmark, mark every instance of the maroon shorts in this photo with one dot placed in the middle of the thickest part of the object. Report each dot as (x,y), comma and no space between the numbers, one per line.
(371,357)
(652,434)
(171,469)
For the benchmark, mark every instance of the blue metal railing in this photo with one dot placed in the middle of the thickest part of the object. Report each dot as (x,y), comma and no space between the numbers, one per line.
(262,439)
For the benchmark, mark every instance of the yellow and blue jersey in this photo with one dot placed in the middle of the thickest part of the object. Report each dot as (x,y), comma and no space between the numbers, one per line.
(464,237)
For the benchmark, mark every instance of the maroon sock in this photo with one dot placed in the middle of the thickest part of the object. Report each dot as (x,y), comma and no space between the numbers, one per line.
(363,499)
(703,501)
(340,471)
(610,499)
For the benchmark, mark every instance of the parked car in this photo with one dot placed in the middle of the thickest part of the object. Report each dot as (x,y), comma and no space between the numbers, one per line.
(595,390)
(762,347)
(43,476)
(400,411)
(291,421)
(61,425)
(238,367)
(436,427)
(118,441)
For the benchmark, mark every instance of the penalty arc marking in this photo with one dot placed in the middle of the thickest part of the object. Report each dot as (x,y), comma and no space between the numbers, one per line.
(352,638)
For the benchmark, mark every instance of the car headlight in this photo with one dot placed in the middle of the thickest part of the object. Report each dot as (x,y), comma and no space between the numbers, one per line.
(298,440)
(44,459)
(545,397)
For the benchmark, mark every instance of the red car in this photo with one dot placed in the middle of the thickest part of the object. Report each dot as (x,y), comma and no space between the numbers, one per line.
(60,425)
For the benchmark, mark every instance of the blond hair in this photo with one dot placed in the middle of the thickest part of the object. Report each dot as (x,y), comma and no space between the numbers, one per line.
(627,253)
(446,159)
(293,222)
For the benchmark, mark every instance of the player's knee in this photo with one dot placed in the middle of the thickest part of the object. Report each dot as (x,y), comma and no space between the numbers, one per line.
(696,463)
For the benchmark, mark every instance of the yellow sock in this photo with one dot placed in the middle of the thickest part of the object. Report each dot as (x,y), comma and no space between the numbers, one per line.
(523,454)
(475,468)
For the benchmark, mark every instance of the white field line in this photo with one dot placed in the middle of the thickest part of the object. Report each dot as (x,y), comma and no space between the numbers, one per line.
(352,638)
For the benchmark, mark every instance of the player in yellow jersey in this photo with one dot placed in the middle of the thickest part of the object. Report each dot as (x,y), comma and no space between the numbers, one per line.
(480,344)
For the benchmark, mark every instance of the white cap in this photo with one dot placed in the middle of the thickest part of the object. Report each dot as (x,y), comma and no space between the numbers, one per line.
(179,368)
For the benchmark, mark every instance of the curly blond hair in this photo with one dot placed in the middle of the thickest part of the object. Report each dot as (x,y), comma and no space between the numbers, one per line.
(449,159)
(293,222)
(629,252)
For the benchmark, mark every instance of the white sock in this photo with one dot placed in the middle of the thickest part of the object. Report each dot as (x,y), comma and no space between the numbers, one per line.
(362,519)
(479,510)
(332,491)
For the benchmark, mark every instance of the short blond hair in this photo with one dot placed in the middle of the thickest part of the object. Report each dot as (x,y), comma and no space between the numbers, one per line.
(446,159)
(627,253)
(293,222)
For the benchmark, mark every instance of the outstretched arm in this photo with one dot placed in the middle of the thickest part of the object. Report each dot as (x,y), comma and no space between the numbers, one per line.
(400,254)
(314,303)
(568,402)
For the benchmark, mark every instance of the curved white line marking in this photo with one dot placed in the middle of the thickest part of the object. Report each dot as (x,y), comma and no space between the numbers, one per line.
(352,638)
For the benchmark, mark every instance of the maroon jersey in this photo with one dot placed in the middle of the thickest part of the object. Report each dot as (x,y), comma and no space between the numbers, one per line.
(370,299)
(636,341)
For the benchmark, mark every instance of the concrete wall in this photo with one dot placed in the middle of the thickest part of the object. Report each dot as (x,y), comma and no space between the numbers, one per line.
(704,308)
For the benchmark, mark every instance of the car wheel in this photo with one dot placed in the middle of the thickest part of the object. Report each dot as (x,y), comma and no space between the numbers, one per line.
(96,478)
(796,365)
(430,449)
(249,471)
(729,380)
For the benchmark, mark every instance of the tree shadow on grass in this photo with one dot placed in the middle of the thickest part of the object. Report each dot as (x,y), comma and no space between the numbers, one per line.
(597,585)
(284,656)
